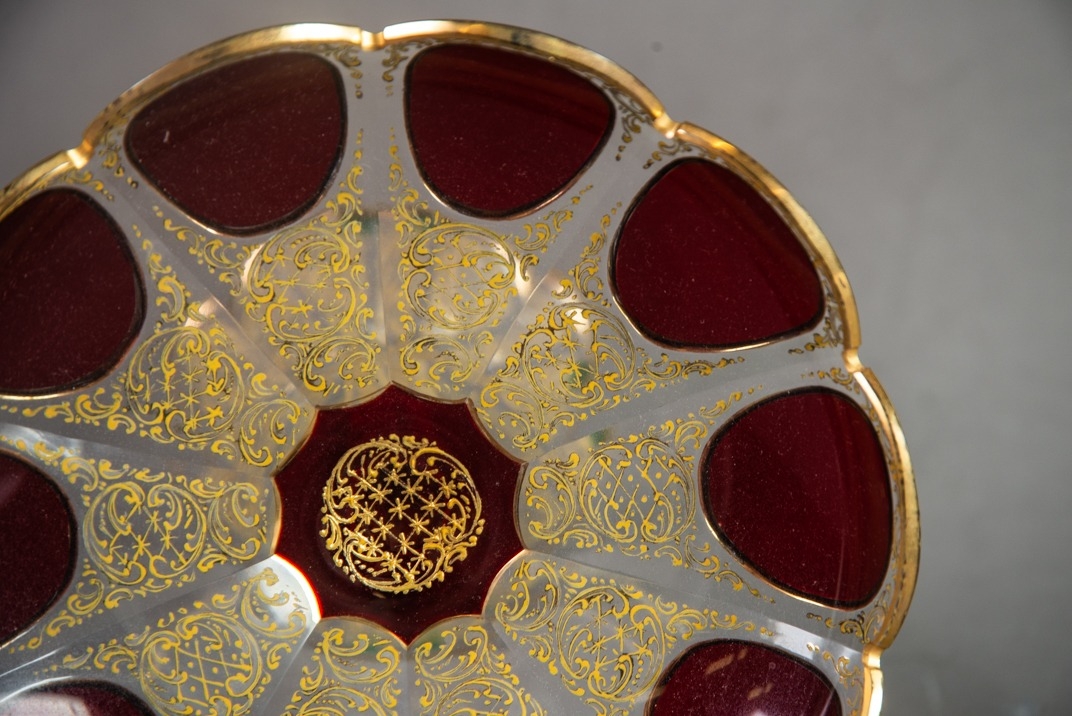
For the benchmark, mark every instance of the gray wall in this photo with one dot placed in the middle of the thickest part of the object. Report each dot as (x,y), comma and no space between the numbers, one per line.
(932,141)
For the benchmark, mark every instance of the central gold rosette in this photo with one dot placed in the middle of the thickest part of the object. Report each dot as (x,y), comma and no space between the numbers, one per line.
(399,513)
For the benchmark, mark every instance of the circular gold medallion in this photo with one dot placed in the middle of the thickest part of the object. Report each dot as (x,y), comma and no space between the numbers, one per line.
(398,513)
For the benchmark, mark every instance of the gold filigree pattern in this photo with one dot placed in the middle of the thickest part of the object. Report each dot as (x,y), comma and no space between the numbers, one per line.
(577,359)
(111,157)
(86,179)
(214,656)
(225,258)
(608,641)
(833,333)
(632,114)
(308,288)
(850,676)
(146,532)
(459,671)
(457,280)
(668,148)
(349,674)
(349,56)
(636,494)
(394,55)
(186,385)
(399,513)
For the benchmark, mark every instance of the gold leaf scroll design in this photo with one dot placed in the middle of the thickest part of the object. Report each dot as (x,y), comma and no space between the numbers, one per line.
(306,287)
(668,148)
(635,494)
(146,532)
(109,154)
(832,334)
(457,279)
(459,671)
(224,258)
(850,676)
(347,675)
(215,656)
(608,642)
(576,360)
(309,289)
(634,117)
(186,385)
(394,55)
(399,513)
(349,56)
(867,625)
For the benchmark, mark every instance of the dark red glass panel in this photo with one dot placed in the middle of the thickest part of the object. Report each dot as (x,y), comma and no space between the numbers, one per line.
(452,428)
(246,145)
(704,261)
(736,678)
(497,132)
(798,487)
(36,545)
(70,295)
(76,699)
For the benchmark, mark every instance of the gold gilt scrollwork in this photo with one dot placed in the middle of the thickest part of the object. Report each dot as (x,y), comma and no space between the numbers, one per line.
(399,513)
(636,495)
(349,674)
(183,384)
(186,385)
(633,115)
(148,531)
(309,289)
(215,656)
(577,359)
(457,280)
(460,672)
(850,676)
(394,55)
(608,641)
(349,56)
(833,333)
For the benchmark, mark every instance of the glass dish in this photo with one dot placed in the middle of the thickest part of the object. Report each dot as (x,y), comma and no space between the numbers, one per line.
(434,370)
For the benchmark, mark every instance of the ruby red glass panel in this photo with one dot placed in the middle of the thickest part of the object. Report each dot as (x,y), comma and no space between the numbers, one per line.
(798,487)
(704,261)
(736,678)
(36,545)
(497,132)
(70,294)
(247,145)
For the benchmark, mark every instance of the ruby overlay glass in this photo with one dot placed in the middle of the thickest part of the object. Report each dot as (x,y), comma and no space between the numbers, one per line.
(432,371)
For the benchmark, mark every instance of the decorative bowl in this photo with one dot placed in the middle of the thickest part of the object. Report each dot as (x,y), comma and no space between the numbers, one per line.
(434,370)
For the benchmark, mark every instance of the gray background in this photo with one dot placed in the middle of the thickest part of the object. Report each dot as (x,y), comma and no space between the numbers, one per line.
(930,139)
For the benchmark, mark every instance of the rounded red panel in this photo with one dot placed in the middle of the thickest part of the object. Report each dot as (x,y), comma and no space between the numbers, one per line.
(736,678)
(244,146)
(798,487)
(704,261)
(36,545)
(71,294)
(497,132)
(81,698)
